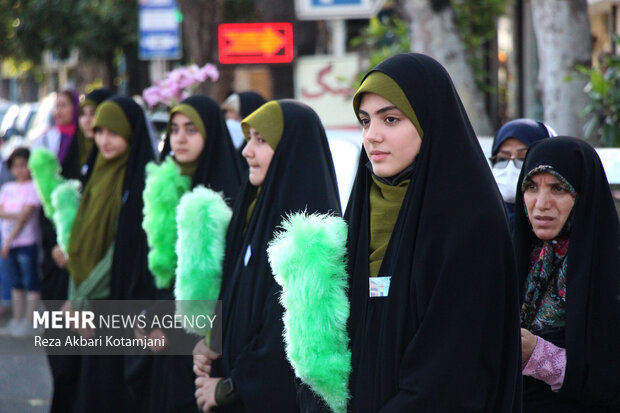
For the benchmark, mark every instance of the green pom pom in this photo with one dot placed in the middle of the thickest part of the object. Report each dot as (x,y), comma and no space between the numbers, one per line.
(202,221)
(163,190)
(45,171)
(308,261)
(65,201)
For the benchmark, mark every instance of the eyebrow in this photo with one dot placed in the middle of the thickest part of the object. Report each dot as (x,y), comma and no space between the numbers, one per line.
(380,111)
(518,150)
(183,124)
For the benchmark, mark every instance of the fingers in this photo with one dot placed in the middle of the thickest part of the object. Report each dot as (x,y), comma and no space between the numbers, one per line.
(201,349)
(212,355)
(202,365)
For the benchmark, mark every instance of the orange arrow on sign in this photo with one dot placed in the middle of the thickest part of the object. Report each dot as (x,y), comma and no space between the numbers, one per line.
(267,41)
(255,43)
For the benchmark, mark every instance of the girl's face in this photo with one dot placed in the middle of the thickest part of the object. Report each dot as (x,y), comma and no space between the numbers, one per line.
(185,139)
(548,204)
(19,169)
(390,139)
(258,154)
(110,144)
(63,110)
(87,114)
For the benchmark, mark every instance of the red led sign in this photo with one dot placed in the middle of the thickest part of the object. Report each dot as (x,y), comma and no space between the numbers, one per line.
(255,43)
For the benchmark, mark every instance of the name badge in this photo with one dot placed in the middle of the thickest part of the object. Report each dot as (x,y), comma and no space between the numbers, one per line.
(248,254)
(378,286)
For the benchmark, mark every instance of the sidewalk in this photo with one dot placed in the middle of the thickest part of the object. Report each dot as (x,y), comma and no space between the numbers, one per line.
(25,380)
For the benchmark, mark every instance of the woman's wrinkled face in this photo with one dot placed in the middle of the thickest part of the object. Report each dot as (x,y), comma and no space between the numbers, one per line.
(63,110)
(391,140)
(87,115)
(549,203)
(185,139)
(258,154)
(109,143)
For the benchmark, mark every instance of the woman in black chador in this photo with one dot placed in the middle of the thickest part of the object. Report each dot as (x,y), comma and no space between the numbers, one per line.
(290,169)
(197,142)
(432,285)
(107,247)
(567,240)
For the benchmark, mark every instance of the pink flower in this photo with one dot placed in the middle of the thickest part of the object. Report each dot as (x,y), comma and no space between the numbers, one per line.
(152,95)
(208,71)
(169,92)
(179,84)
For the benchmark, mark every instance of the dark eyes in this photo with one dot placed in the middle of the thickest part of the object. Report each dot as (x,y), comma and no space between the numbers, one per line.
(189,130)
(560,188)
(390,120)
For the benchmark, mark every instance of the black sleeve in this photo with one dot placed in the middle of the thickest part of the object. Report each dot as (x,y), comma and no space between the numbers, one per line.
(261,373)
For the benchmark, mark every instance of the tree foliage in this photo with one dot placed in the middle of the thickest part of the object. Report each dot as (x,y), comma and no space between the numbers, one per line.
(603,109)
(384,36)
(477,24)
(476,21)
(97,28)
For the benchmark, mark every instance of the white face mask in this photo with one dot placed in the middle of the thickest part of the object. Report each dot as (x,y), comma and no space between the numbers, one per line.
(236,133)
(507,179)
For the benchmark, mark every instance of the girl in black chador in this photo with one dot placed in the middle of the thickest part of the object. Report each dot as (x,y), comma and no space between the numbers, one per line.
(290,169)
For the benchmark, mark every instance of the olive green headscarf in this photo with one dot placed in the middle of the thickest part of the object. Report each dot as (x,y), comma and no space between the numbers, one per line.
(268,121)
(85,146)
(94,99)
(381,84)
(94,227)
(189,168)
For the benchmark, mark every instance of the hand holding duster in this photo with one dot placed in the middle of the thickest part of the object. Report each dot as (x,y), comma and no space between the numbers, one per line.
(163,190)
(45,171)
(202,221)
(65,202)
(308,261)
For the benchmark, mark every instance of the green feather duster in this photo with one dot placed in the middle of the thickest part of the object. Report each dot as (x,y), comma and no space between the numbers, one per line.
(202,221)
(65,202)
(308,261)
(45,171)
(163,190)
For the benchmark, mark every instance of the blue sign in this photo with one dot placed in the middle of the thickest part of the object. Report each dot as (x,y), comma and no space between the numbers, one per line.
(336,9)
(328,3)
(160,32)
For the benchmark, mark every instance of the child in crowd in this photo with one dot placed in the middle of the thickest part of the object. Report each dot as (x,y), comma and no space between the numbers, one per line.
(20,232)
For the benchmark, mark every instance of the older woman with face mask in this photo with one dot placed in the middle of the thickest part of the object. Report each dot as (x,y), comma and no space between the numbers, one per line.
(566,238)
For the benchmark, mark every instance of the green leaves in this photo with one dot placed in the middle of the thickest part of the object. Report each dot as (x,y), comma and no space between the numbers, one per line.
(382,38)
(95,27)
(477,24)
(603,90)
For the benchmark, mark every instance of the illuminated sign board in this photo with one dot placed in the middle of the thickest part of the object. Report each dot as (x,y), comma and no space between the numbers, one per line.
(241,43)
